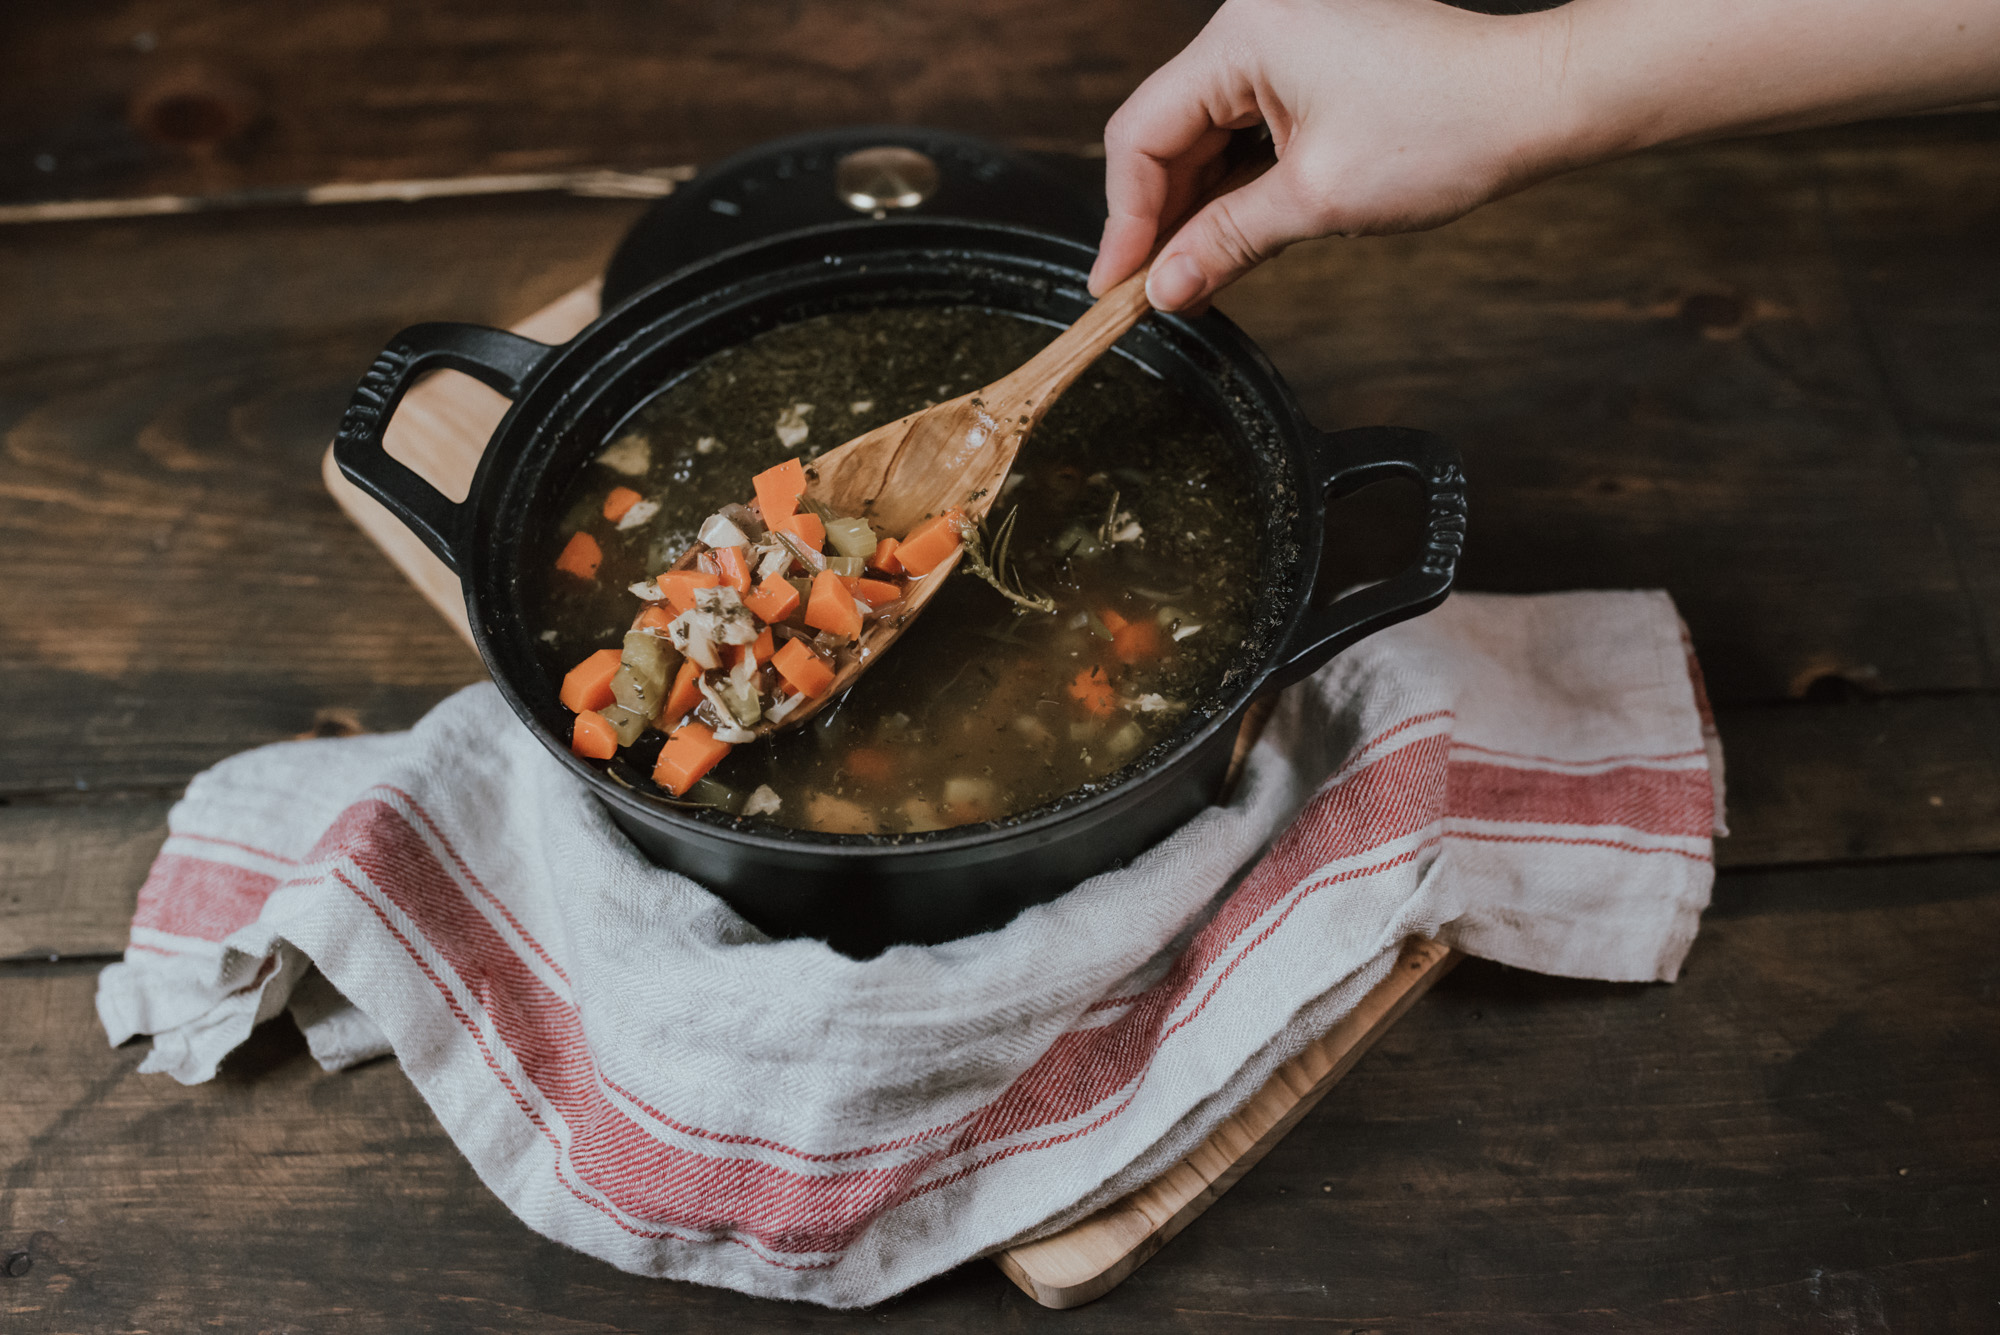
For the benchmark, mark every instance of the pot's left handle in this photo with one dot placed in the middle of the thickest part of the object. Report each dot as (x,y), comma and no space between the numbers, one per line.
(500,359)
(1346,462)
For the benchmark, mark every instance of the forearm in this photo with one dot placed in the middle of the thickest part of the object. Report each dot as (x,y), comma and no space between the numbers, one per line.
(1630,74)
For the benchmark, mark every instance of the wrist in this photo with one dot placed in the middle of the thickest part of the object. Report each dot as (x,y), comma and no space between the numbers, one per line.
(1576,105)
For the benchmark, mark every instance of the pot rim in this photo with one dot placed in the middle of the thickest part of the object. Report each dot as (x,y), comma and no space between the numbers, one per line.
(545,380)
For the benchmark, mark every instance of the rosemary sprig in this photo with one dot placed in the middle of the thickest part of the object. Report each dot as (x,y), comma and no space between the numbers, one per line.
(986,557)
(1110,524)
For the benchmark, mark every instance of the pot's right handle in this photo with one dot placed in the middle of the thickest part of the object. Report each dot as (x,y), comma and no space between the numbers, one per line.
(1349,461)
(500,359)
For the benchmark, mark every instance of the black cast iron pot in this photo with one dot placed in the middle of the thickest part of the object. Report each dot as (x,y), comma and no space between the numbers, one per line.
(864,892)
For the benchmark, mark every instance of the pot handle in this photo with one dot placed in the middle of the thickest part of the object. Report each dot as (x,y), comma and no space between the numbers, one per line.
(500,359)
(1349,461)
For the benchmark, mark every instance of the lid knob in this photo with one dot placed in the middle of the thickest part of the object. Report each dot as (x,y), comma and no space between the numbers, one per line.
(875,180)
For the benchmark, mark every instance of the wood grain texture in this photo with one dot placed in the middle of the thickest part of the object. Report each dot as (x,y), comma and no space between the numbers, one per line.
(1801,1134)
(1760,375)
(365,90)
(1669,372)
(1091,1257)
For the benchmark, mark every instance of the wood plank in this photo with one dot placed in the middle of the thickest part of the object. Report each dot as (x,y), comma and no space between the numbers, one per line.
(295,275)
(1659,378)
(69,875)
(363,90)
(1091,1257)
(1803,1132)
(1909,777)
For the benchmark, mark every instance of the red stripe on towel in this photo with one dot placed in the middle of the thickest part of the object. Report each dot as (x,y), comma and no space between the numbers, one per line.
(1651,801)
(190,896)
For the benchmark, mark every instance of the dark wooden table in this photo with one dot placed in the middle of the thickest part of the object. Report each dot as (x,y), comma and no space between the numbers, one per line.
(1764,376)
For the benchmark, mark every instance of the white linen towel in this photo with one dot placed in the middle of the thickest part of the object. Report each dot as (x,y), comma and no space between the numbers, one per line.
(640,1074)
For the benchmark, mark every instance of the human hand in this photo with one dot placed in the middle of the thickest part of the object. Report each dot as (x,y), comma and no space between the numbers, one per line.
(1387,116)
(1395,115)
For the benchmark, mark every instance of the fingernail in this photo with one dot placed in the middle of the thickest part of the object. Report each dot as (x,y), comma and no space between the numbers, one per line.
(1174,283)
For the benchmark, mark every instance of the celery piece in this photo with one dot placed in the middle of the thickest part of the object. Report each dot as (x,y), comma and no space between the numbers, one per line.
(714,793)
(851,537)
(625,722)
(850,566)
(641,695)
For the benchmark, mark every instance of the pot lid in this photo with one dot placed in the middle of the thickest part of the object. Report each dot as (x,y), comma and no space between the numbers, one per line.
(857,173)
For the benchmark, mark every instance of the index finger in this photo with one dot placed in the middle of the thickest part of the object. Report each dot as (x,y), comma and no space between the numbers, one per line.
(1155,148)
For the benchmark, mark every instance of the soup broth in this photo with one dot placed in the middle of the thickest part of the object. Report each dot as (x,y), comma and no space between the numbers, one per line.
(1132,518)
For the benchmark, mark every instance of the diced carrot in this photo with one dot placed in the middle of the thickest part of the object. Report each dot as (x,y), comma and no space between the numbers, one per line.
(832,607)
(1135,641)
(884,559)
(593,737)
(679,586)
(1112,621)
(802,668)
(685,695)
(929,544)
(869,764)
(690,752)
(1092,689)
(735,570)
(804,526)
(654,618)
(618,501)
(774,600)
(875,592)
(759,649)
(588,684)
(778,490)
(581,556)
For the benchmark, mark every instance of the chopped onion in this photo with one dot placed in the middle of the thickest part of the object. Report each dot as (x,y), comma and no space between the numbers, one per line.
(630,455)
(1187,630)
(763,801)
(647,591)
(640,513)
(785,708)
(717,531)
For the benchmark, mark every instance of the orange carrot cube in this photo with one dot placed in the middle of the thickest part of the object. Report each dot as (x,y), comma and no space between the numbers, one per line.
(1092,689)
(875,592)
(884,559)
(580,556)
(617,501)
(803,668)
(685,695)
(593,738)
(804,526)
(832,607)
(774,600)
(679,586)
(690,752)
(587,686)
(930,544)
(732,568)
(778,490)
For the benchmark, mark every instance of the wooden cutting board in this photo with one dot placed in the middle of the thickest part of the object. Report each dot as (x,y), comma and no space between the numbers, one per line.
(440,431)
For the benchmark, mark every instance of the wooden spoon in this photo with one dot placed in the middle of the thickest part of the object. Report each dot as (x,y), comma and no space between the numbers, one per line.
(955,455)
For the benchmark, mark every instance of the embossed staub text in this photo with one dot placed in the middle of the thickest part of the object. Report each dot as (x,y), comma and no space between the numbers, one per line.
(1445,528)
(371,397)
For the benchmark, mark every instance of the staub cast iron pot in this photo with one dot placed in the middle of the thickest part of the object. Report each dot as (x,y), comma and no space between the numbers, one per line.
(865,892)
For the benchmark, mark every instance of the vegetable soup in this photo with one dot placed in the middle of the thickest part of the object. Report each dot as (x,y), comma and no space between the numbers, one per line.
(1107,595)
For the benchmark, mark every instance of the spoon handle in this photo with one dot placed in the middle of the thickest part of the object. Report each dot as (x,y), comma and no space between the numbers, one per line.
(1049,372)
(1037,381)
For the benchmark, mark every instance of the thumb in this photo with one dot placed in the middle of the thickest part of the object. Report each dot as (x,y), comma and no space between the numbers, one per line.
(1230,236)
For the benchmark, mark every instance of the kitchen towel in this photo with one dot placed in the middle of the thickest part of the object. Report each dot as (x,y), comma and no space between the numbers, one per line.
(640,1074)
